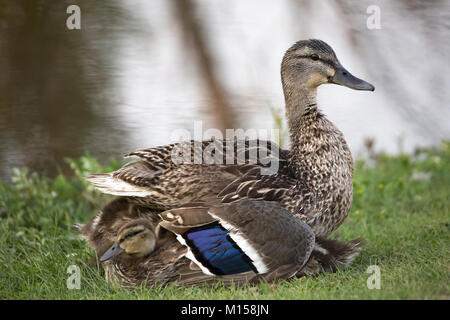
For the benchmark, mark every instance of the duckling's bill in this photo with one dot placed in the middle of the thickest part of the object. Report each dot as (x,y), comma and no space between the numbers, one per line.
(345,78)
(111,252)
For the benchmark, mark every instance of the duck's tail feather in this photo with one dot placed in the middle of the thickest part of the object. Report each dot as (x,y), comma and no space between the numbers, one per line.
(330,255)
(107,183)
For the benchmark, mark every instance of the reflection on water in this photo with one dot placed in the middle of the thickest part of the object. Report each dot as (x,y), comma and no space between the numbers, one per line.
(57,86)
(128,79)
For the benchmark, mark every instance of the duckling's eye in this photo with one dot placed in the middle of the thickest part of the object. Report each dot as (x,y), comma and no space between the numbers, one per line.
(314,57)
(132,233)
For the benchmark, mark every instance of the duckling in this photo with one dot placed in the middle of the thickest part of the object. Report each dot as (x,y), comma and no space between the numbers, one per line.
(314,177)
(141,253)
(123,235)
(100,232)
(136,239)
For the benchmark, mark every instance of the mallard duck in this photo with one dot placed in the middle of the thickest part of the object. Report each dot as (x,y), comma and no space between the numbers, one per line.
(190,246)
(314,177)
(312,188)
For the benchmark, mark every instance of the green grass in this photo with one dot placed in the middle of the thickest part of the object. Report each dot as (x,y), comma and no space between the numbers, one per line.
(401,207)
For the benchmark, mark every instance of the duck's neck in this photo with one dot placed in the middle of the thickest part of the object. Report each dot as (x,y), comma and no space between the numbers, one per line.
(300,107)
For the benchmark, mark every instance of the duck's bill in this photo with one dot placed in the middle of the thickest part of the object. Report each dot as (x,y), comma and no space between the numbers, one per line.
(113,251)
(345,78)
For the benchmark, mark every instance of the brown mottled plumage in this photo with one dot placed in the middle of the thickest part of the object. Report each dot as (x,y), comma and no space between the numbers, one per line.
(313,180)
(158,182)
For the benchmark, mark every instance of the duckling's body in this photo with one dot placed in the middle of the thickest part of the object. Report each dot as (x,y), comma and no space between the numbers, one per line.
(311,183)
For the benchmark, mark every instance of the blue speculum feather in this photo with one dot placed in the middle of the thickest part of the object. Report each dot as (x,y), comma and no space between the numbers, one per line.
(213,247)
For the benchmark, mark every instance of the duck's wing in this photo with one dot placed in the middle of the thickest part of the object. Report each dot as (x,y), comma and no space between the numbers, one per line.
(171,175)
(234,151)
(242,240)
(255,185)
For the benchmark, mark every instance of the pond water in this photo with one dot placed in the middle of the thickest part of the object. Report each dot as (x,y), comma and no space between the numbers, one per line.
(128,80)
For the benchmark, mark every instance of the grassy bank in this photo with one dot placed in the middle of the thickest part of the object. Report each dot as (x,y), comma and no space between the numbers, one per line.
(401,207)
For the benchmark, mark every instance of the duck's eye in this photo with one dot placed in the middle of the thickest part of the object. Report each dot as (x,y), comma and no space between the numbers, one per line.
(132,233)
(314,57)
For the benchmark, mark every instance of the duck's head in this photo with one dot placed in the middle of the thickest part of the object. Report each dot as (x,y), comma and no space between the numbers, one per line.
(135,239)
(310,63)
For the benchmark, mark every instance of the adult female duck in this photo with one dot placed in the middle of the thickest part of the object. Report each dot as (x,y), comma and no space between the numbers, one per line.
(313,182)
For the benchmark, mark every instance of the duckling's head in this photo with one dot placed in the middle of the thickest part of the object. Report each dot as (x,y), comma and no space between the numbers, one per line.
(310,63)
(135,239)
